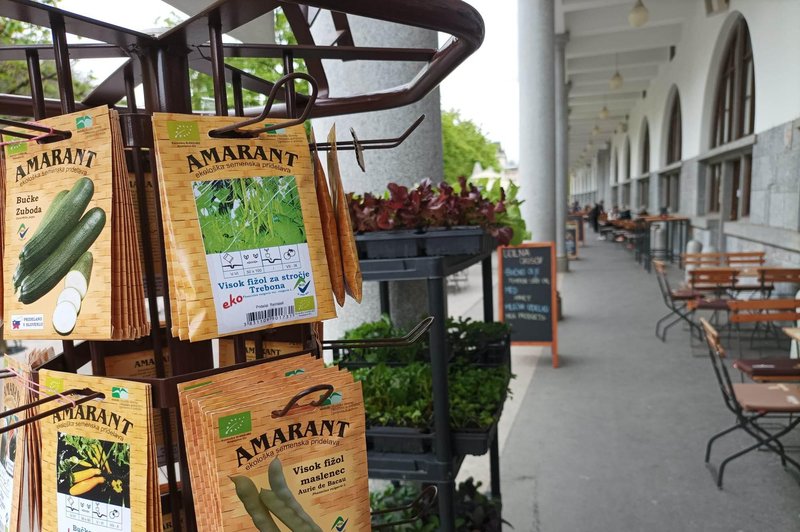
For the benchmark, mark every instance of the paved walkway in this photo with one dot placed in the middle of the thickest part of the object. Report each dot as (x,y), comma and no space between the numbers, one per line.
(613,440)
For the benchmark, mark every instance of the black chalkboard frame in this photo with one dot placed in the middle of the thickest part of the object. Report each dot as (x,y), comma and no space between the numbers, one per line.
(553,295)
(572,229)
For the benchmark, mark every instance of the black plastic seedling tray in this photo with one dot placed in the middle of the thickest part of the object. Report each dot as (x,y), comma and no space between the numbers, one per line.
(433,242)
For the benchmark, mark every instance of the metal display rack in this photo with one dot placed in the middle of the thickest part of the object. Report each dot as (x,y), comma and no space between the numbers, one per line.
(440,466)
(162,64)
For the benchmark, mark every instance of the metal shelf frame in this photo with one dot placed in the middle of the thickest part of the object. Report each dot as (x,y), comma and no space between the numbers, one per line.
(162,65)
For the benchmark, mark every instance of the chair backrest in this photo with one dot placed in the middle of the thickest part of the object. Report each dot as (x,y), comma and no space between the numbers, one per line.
(713,279)
(701,260)
(778,275)
(764,310)
(745,258)
(717,353)
(663,283)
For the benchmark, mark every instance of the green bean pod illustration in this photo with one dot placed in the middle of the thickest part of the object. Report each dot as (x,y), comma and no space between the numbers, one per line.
(281,499)
(247,492)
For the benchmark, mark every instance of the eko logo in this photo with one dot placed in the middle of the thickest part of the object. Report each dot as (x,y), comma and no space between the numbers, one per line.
(232,301)
(340,524)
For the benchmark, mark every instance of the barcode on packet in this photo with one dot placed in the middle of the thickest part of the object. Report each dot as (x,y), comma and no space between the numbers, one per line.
(269,314)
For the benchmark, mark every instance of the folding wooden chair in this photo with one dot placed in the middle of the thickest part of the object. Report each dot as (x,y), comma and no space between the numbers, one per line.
(677,302)
(751,404)
(767,312)
(741,259)
(769,277)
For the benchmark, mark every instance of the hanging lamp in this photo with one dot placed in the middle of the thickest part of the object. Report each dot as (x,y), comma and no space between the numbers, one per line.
(616,80)
(639,15)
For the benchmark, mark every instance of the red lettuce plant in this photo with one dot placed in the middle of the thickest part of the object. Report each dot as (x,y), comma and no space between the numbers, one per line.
(425,206)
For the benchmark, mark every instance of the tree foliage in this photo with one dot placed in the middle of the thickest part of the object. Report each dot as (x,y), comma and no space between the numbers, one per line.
(464,144)
(14,74)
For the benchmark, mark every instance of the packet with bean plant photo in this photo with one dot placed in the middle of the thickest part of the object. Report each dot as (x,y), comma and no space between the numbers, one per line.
(71,254)
(244,242)
(98,457)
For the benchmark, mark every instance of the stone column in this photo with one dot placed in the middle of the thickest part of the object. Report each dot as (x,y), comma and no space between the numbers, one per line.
(537,149)
(562,156)
(420,156)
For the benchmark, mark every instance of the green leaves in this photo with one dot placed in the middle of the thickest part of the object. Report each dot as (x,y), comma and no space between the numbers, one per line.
(402,396)
(464,144)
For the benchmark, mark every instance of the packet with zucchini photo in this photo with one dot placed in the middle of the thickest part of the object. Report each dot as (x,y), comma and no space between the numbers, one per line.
(70,246)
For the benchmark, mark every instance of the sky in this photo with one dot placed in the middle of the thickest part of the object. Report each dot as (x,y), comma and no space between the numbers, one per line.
(484,88)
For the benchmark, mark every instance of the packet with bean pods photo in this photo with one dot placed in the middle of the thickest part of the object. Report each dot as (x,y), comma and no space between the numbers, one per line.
(207,406)
(244,234)
(305,470)
(96,456)
(236,387)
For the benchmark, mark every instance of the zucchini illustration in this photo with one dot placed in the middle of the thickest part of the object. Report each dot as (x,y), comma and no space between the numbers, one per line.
(65,317)
(60,223)
(79,275)
(70,295)
(26,267)
(58,264)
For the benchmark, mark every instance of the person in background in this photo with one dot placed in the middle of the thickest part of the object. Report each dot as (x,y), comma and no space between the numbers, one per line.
(594,214)
(614,213)
(625,213)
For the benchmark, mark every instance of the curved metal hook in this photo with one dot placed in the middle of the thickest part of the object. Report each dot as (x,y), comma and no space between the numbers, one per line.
(328,388)
(273,94)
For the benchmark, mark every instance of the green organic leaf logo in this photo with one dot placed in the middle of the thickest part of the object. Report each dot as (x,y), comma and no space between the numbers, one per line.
(183,131)
(16,147)
(54,384)
(82,122)
(235,424)
(340,524)
(303,304)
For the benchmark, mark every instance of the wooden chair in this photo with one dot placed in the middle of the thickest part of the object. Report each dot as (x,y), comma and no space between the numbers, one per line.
(769,277)
(701,260)
(676,300)
(764,310)
(752,404)
(741,259)
(715,280)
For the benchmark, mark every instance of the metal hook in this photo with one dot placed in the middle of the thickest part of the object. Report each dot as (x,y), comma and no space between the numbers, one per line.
(234,130)
(420,506)
(88,394)
(46,131)
(328,388)
(410,338)
(372,144)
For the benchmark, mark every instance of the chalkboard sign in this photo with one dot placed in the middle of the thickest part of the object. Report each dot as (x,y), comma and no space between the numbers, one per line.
(528,294)
(578,221)
(571,238)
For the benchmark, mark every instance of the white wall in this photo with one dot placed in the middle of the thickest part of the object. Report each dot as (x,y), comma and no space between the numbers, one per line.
(775,35)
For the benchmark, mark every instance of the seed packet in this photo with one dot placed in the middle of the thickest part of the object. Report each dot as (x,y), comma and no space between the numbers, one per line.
(13,446)
(244,237)
(70,245)
(96,457)
(347,241)
(306,470)
(204,400)
(332,248)
(271,349)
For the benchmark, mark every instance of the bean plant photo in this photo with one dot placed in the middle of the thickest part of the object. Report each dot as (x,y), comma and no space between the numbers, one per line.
(249,213)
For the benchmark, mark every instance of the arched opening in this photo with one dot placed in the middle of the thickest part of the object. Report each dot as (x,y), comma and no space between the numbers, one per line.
(670,181)
(728,177)
(643,183)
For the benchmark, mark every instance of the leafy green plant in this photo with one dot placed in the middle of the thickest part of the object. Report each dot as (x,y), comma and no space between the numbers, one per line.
(402,396)
(249,213)
(468,339)
(512,216)
(475,510)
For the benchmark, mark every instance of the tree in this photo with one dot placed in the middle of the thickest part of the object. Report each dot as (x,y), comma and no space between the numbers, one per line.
(14,74)
(464,144)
